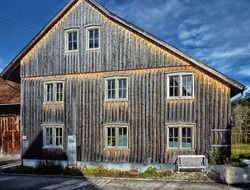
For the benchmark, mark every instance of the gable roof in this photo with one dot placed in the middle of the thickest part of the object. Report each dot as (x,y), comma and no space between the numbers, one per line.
(235,86)
(9,92)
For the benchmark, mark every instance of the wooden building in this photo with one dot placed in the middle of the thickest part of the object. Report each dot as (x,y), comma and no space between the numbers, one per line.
(126,95)
(9,118)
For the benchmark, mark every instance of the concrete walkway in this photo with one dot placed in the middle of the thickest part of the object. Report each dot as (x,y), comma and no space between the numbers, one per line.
(22,182)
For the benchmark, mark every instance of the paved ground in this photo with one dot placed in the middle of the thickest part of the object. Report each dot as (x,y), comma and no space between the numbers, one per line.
(4,164)
(14,182)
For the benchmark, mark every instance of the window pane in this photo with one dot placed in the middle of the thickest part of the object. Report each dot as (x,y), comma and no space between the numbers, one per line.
(91,44)
(74,45)
(58,136)
(70,46)
(72,40)
(122,88)
(96,34)
(111,89)
(111,136)
(70,36)
(187,137)
(174,86)
(96,43)
(91,34)
(59,92)
(49,92)
(187,85)
(173,137)
(48,137)
(122,141)
(93,38)
(74,36)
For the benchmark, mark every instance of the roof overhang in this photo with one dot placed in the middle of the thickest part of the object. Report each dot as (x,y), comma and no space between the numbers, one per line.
(235,86)
(9,104)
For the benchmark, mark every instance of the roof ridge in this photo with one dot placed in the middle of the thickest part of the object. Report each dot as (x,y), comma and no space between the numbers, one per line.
(168,47)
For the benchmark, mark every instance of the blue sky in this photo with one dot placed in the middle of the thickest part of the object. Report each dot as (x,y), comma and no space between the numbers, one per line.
(217,32)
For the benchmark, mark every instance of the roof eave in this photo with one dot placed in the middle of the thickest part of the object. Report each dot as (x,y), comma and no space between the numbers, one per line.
(232,83)
(13,64)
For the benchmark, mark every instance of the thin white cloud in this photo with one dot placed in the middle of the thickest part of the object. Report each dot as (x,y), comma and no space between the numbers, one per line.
(231,52)
(245,71)
(188,33)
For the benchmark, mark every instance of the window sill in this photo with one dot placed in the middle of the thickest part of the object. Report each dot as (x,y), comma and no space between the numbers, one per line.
(53,103)
(52,147)
(117,100)
(180,98)
(179,149)
(116,148)
(94,49)
(71,52)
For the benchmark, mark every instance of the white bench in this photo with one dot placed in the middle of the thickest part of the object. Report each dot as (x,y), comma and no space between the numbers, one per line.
(192,162)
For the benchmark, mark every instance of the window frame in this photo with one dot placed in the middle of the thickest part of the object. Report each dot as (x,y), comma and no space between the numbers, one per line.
(117,127)
(180,96)
(88,28)
(53,82)
(180,126)
(67,31)
(53,127)
(116,78)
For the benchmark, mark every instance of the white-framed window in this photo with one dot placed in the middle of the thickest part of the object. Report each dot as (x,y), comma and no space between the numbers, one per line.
(116,136)
(116,88)
(71,40)
(54,91)
(180,85)
(52,136)
(180,136)
(93,38)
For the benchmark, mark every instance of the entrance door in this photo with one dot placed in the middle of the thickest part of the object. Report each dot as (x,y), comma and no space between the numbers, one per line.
(9,134)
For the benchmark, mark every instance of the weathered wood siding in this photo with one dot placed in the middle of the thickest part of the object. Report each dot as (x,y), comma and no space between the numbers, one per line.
(120,49)
(147,111)
(84,111)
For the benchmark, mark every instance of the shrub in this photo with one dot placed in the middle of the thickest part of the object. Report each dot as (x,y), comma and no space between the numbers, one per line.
(217,156)
(166,174)
(97,171)
(150,172)
(49,167)
(72,172)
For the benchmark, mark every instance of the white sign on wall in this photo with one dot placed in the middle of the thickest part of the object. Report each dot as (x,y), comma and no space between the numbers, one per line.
(72,150)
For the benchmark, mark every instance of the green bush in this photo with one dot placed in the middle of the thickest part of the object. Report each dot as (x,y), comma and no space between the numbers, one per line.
(150,172)
(97,171)
(218,156)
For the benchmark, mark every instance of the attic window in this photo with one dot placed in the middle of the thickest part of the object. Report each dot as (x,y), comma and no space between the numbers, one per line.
(93,38)
(71,40)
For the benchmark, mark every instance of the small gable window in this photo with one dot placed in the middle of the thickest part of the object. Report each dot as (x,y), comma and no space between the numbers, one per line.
(180,85)
(71,40)
(93,38)
(54,91)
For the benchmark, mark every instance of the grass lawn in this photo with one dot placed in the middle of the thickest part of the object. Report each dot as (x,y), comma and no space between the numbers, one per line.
(240,150)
